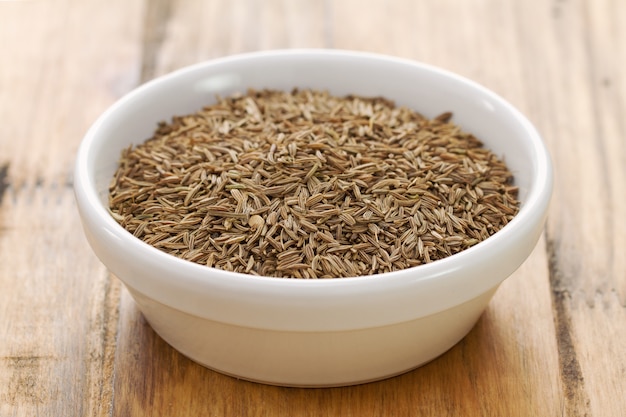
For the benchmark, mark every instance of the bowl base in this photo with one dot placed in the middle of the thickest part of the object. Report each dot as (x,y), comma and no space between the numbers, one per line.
(312,358)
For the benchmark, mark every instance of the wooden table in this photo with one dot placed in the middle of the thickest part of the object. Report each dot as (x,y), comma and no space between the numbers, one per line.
(553,340)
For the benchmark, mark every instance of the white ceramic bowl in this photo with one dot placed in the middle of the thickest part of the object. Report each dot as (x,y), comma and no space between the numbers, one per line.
(313,332)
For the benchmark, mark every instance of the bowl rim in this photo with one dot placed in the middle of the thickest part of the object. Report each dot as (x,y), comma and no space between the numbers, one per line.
(534,205)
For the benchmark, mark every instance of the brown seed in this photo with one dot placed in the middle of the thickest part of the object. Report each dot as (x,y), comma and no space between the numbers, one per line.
(308,185)
(256,222)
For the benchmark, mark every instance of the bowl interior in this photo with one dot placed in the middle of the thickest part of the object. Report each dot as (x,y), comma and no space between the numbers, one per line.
(422,88)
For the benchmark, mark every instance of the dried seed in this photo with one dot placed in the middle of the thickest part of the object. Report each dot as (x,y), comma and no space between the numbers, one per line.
(256,222)
(307,185)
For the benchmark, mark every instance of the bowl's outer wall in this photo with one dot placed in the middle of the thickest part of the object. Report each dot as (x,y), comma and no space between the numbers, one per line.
(313,359)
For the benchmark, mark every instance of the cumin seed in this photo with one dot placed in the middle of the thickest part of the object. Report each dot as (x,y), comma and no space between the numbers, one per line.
(304,184)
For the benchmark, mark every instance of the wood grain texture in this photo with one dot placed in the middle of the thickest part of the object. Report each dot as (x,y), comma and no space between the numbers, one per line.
(580,112)
(72,341)
(58,305)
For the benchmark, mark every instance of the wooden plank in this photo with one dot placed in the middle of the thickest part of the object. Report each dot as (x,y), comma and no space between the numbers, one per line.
(191,32)
(58,310)
(578,54)
(55,59)
(58,306)
(598,290)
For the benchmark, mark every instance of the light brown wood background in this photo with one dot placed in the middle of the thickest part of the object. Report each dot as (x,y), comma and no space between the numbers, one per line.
(553,340)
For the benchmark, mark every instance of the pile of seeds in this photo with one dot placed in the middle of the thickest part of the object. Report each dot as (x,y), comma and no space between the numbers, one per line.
(308,185)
